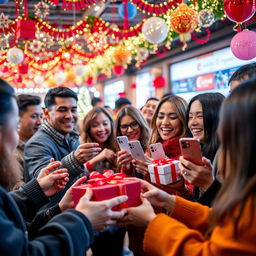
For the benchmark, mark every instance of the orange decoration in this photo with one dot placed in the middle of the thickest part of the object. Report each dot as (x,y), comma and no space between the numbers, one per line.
(184,21)
(121,55)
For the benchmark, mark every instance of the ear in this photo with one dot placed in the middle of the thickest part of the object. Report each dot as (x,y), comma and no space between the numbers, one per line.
(46,113)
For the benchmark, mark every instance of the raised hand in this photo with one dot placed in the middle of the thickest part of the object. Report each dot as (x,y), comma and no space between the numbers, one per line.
(86,151)
(124,159)
(100,213)
(51,180)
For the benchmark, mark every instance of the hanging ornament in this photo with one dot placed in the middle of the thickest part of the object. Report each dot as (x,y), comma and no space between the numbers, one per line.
(35,46)
(183,21)
(4,42)
(70,75)
(41,10)
(142,54)
(121,55)
(4,21)
(23,68)
(96,41)
(89,81)
(243,45)
(239,11)
(15,55)
(155,30)
(159,82)
(132,10)
(79,70)
(205,18)
(118,70)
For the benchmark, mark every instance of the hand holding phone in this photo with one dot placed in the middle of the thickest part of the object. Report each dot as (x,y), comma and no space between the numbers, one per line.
(191,150)
(123,143)
(157,151)
(136,150)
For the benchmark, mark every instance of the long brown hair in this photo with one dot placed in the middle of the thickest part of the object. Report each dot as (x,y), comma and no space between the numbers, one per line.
(180,105)
(8,164)
(237,132)
(87,121)
(137,116)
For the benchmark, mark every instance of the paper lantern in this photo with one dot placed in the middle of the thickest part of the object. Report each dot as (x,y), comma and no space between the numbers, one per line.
(79,70)
(155,30)
(243,45)
(239,10)
(118,70)
(183,21)
(132,10)
(121,55)
(15,55)
(159,82)
(205,18)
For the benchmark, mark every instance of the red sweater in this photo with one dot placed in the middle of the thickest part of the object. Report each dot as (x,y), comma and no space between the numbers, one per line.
(183,233)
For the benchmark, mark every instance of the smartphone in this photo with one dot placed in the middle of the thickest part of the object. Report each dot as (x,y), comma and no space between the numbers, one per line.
(136,150)
(191,150)
(157,151)
(123,143)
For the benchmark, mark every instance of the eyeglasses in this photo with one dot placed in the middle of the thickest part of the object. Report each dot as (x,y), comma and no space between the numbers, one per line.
(133,125)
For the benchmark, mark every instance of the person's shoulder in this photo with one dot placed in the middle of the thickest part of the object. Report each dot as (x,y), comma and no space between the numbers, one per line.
(39,137)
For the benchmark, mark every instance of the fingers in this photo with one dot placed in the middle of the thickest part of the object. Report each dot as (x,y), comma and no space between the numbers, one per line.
(117,214)
(53,165)
(52,160)
(88,195)
(88,145)
(207,163)
(116,201)
(59,176)
(79,181)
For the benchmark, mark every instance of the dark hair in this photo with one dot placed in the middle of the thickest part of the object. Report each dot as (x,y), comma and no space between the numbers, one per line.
(211,103)
(137,116)
(107,106)
(122,101)
(152,98)
(167,94)
(237,135)
(95,100)
(8,173)
(62,92)
(6,96)
(25,100)
(243,73)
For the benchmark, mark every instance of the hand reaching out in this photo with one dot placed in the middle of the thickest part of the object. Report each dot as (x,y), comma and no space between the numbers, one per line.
(51,180)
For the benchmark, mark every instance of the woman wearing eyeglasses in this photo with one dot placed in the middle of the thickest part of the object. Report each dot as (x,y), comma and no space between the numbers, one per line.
(131,123)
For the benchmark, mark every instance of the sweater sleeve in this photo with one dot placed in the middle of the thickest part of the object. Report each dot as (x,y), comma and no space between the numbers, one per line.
(193,215)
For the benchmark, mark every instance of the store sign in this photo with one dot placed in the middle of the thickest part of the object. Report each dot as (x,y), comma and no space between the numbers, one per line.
(203,73)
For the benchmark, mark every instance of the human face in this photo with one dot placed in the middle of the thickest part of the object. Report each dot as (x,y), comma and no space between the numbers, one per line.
(133,131)
(100,128)
(30,122)
(63,115)
(148,110)
(9,135)
(196,120)
(167,121)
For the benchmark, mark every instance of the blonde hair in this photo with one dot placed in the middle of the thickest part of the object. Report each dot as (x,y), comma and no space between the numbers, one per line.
(180,105)
(138,117)
(86,125)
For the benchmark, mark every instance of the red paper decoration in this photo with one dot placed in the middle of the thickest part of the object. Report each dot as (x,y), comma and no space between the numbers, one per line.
(134,86)
(89,81)
(118,70)
(23,68)
(25,29)
(239,10)
(159,82)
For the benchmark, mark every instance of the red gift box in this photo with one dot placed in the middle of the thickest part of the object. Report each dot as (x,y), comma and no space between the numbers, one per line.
(26,29)
(107,188)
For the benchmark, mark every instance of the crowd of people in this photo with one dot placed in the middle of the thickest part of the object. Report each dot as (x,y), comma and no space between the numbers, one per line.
(208,211)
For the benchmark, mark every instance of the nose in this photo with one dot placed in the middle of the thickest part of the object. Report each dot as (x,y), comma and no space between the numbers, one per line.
(100,127)
(129,129)
(166,120)
(68,114)
(39,120)
(193,120)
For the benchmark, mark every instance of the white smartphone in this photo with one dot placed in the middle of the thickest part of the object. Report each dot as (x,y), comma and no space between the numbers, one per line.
(123,143)
(136,150)
(191,150)
(157,151)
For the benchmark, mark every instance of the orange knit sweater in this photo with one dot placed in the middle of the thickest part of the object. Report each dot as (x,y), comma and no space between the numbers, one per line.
(182,234)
